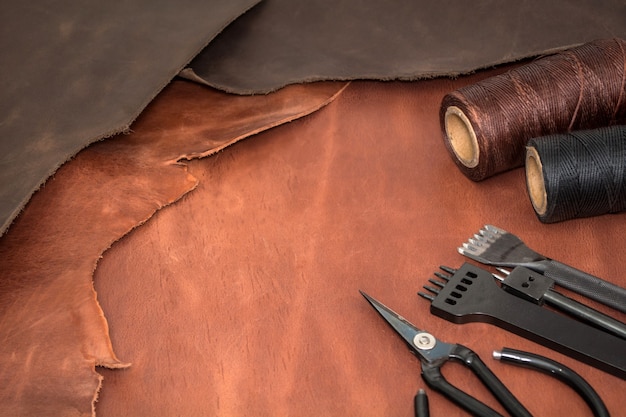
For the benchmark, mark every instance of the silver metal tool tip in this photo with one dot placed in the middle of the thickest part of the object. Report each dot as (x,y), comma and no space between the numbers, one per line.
(426,296)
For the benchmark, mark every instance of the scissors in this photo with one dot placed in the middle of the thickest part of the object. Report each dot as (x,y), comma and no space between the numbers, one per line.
(434,353)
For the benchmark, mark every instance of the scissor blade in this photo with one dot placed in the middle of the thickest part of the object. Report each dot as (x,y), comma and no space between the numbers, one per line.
(405,329)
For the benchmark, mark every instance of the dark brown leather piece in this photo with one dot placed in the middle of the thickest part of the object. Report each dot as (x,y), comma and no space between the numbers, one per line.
(242,298)
(52,328)
(74,72)
(281,42)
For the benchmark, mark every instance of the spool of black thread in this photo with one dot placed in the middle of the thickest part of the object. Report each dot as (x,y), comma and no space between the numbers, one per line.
(578,174)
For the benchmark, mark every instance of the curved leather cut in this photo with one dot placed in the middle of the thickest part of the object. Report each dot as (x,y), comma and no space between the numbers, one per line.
(52,328)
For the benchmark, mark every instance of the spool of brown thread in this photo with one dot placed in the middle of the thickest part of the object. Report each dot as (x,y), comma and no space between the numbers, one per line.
(486,125)
(577,174)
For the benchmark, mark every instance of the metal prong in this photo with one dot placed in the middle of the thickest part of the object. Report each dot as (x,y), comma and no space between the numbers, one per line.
(437,283)
(447,269)
(431,289)
(475,242)
(495,230)
(426,296)
(498,277)
(488,234)
(503,270)
(468,245)
(443,276)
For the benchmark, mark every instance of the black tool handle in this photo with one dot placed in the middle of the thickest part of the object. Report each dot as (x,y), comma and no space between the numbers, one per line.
(421,404)
(586,284)
(434,379)
(537,288)
(557,370)
(585,313)
(432,376)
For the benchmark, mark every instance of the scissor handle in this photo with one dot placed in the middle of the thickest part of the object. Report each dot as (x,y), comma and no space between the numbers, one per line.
(433,377)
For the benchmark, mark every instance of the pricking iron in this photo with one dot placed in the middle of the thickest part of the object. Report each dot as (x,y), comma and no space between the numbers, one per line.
(495,246)
(470,294)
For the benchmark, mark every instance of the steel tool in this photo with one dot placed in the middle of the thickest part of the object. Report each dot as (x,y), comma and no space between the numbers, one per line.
(495,246)
(434,353)
(539,289)
(470,294)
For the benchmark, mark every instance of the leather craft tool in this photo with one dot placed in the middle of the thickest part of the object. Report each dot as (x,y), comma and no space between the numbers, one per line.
(557,370)
(422,409)
(495,246)
(470,294)
(434,353)
(539,289)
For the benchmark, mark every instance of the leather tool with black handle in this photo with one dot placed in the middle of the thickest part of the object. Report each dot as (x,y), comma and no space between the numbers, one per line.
(539,289)
(434,354)
(495,246)
(470,294)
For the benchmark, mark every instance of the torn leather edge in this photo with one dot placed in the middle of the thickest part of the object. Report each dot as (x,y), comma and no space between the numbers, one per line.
(180,161)
(188,73)
(122,128)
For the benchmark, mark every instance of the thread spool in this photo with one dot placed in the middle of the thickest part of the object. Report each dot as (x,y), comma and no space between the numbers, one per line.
(577,174)
(486,125)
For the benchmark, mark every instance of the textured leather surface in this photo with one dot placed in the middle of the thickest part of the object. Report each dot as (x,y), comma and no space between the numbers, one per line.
(242,298)
(283,41)
(76,71)
(52,330)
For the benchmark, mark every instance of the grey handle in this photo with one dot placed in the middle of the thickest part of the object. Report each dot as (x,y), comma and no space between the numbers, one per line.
(588,285)
(585,313)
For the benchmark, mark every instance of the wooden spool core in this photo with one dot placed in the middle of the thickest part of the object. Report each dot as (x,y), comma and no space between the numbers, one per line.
(461,137)
(535,181)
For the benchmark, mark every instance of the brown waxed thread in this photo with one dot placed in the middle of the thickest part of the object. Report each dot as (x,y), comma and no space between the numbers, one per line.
(577,174)
(580,88)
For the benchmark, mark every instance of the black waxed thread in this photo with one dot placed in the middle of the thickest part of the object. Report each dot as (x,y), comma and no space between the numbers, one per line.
(584,184)
(584,173)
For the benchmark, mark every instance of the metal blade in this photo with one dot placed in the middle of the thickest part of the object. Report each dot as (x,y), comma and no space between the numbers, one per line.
(396,321)
(421,343)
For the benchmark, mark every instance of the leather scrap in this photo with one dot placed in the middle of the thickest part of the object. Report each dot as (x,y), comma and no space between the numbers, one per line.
(243,298)
(281,42)
(53,332)
(75,72)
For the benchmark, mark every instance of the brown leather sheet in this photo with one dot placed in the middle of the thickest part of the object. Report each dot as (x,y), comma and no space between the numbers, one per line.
(52,330)
(74,72)
(242,298)
(282,41)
